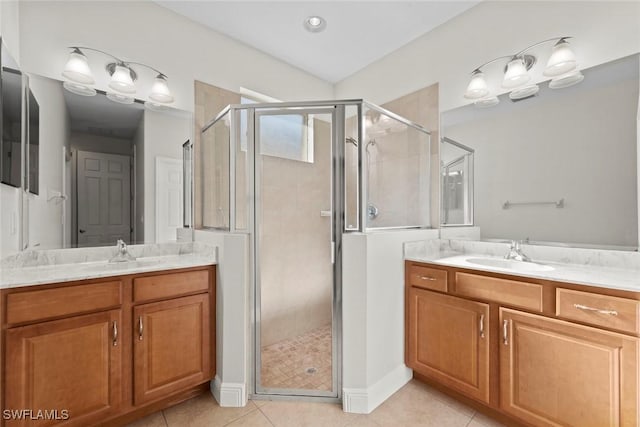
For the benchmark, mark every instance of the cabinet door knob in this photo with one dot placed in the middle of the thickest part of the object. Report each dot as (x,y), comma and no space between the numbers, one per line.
(482,326)
(82,231)
(505,332)
(115,333)
(140,328)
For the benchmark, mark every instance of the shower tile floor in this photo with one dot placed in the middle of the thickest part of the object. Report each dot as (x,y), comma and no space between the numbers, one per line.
(302,362)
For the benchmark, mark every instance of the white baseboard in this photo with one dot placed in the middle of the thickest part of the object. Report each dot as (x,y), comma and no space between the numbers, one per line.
(365,400)
(229,394)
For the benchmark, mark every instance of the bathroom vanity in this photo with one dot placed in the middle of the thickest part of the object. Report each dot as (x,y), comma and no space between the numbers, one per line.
(526,348)
(109,348)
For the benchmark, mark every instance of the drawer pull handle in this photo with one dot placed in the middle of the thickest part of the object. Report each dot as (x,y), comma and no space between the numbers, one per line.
(115,333)
(140,328)
(597,310)
(428,278)
(482,326)
(505,332)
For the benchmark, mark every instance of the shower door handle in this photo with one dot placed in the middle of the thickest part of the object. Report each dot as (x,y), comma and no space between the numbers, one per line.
(333,252)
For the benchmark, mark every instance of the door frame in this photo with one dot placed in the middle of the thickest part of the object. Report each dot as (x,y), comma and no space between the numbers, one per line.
(337,112)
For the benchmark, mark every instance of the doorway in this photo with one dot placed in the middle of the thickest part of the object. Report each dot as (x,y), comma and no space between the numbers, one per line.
(296,278)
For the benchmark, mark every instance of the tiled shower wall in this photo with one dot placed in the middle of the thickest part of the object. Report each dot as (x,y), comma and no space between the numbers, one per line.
(423,107)
(297,275)
(209,101)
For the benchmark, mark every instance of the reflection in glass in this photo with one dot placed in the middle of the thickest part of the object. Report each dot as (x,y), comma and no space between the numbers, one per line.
(456,167)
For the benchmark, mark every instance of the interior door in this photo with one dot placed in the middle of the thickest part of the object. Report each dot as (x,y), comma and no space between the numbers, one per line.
(104,198)
(294,252)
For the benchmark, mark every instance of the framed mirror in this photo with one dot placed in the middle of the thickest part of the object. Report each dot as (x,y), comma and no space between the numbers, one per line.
(560,167)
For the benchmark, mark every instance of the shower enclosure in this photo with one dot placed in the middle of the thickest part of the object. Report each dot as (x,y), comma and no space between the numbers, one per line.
(295,177)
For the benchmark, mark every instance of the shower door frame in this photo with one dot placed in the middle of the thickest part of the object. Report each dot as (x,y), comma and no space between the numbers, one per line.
(337,112)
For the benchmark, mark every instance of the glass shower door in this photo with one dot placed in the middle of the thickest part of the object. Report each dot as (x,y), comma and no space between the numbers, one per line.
(294,252)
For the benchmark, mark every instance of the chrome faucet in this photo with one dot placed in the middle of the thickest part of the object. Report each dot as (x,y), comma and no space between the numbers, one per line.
(515,252)
(122,254)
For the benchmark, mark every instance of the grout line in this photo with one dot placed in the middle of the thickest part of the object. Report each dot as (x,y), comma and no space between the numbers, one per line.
(265,415)
(241,416)
(166,423)
(472,417)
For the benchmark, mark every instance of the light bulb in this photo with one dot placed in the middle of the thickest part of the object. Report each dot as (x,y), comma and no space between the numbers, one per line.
(121,80)
(477,86)
(160,92)
(77,68)
(516,74)
(562,60)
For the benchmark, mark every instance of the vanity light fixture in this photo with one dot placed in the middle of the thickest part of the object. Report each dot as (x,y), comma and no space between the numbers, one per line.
(123,77)
(561,65)
(315,24)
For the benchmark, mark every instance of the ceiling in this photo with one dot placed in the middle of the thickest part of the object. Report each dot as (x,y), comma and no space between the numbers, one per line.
(99,116)
(358,33)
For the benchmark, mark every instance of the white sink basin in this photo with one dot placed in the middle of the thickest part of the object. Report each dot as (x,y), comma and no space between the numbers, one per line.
(508,264)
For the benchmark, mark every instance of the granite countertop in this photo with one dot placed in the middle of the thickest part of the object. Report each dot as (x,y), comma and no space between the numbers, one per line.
(606,269)
(64,265)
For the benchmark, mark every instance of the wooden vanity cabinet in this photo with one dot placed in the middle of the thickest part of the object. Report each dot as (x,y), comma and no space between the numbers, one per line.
(554,354)
(171,346)
(73,364)
(555,373)
(449,341)
(110,350)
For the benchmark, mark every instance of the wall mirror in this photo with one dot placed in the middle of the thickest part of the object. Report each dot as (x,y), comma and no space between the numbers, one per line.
(560,167)
(105,170)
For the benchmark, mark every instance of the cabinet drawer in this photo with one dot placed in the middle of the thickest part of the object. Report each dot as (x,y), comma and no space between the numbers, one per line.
(428,278)
(508,292)
(600,310)
(23,307)
(170,285)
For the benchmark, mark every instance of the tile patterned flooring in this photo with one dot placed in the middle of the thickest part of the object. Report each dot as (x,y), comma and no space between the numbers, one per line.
(414,405)
(303,362)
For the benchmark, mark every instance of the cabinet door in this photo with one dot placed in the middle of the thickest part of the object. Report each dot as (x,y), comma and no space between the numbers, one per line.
(448,341)
(555,373)
(69,365)
(171,346)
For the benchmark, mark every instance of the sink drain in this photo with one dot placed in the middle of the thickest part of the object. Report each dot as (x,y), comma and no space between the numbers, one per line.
(311,371)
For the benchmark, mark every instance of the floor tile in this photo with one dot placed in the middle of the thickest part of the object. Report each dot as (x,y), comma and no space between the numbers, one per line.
(260,403)
(204,411)
(301,362)
(153,420)
(306,414)
(481,420)
(416,406)
(444,398)
(252,419)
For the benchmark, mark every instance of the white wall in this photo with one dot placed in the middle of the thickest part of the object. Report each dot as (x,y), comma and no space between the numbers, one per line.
(603,31)
(143,31)
(45,216)
(373,316)
(233,328)
(100,144)
(164,134)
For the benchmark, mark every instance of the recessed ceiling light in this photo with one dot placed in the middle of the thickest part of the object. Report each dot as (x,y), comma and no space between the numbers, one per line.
(315,24)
